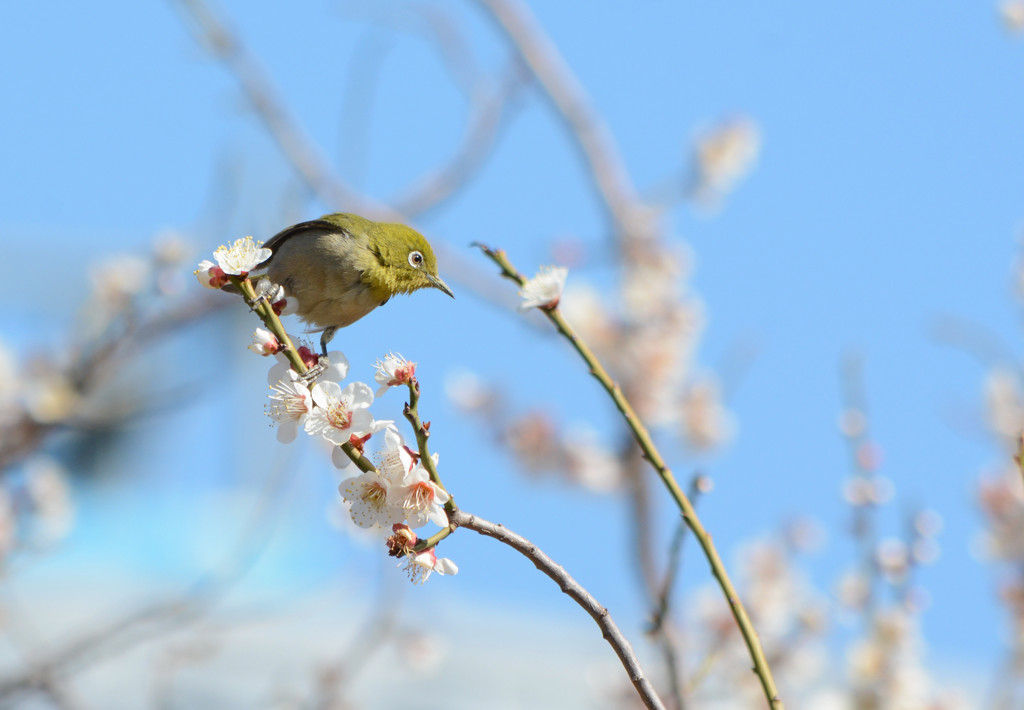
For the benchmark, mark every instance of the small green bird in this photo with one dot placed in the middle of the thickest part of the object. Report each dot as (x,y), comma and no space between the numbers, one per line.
(342,266)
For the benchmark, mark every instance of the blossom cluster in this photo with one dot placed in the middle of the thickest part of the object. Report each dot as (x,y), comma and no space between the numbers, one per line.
(400,491)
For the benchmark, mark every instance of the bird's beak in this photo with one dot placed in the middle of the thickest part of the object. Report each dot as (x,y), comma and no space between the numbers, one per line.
(440,285)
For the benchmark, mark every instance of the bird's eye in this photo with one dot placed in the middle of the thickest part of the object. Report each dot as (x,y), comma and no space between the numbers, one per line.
(415,259)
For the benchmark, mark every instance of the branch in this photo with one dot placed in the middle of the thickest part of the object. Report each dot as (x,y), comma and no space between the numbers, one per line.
(487,110)
(161,617)
(94,363)
(651,453)
(570,100)
(282,127)
(697,486)
(577,593)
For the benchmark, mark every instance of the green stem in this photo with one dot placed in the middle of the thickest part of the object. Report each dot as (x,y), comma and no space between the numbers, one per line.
(651,453)
(358,459)
(422,432)
(265,311)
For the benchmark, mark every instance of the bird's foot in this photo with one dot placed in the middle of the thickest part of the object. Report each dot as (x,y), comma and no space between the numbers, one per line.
(312,373)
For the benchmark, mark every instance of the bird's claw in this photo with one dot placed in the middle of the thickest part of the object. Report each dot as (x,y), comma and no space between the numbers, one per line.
(322,363)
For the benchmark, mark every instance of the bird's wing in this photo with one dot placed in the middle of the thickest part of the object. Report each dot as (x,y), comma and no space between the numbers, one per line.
(285,234)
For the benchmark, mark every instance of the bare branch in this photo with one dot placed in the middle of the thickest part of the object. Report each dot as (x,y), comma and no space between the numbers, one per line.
(576,592)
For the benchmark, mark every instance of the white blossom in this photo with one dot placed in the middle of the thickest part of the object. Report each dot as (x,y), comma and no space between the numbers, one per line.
(393,370)
(339,413)
(422,500)
(420,565)
(210,275)
(264,342)
(372,504)
(291,403)
(241,257)
(545,289)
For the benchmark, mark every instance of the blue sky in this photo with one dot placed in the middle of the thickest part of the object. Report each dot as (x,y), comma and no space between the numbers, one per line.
(887,195)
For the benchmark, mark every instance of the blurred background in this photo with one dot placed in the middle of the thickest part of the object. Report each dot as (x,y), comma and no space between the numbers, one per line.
(792,235)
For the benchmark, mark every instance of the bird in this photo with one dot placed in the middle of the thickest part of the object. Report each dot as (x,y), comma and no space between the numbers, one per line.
(342,266)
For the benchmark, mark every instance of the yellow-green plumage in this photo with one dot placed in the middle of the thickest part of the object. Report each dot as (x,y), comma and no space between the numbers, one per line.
(342,266)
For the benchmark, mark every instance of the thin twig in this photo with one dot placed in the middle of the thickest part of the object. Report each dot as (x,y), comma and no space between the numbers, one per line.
(660,626)
(421,430)
(576,592)
(652,454)
(1019,456)
(858,441)
(675,555)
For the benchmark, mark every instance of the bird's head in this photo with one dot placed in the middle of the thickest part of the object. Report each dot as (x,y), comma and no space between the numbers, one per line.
(407,260)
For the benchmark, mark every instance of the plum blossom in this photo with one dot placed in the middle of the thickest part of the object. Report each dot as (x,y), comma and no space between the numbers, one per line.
(241,257)
(264,343)
(291,403)
(724,155)
(393,370)
(46,483)
(372,504)
(338,413)
(421,499)
(420,565)
(545,289)
(119,278)
(395,460)
(341,459)
(373,494)
(210,275)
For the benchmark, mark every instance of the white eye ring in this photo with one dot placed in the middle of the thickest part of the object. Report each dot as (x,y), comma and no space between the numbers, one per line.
(415,259)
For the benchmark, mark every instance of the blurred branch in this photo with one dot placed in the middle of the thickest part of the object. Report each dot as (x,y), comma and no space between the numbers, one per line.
(642,515)
(297,149)
(974,339)
(222,43)
(675,556)
(160,618)
(487,109)
(91,365)
(377,630)
(592,136)
(1018,458)
(488,101)
(576,592)
(660,628)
